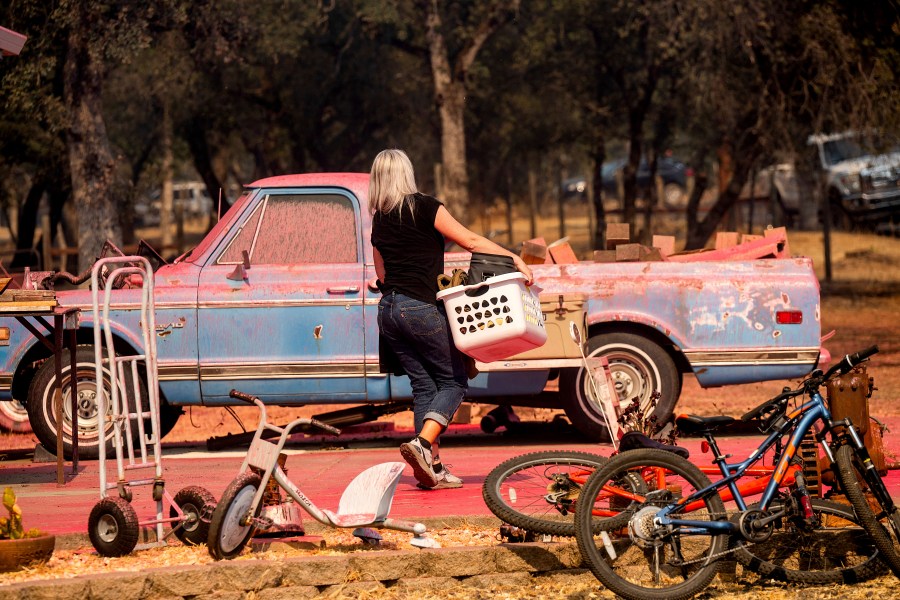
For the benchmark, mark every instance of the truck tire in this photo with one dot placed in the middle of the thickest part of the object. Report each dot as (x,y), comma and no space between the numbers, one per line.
(638,366)
(14,417)
(43,417)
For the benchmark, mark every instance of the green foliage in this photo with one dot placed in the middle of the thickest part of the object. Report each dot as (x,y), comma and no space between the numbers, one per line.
(255,89)
(11,527)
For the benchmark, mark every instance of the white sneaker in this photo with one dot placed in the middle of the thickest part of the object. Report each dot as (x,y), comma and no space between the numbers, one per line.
(445,480)
(419,458)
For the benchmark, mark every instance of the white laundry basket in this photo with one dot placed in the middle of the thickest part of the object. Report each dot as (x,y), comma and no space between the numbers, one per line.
(495,319)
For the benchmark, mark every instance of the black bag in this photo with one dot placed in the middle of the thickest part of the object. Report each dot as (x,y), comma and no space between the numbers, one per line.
(483,265)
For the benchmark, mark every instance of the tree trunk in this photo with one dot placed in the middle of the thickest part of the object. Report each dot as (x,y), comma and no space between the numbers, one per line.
(453,152)
(699,232)
(90,158)
(166,196)
(450,97)
(200,151)
(599,156)
(450,93)
(27,223)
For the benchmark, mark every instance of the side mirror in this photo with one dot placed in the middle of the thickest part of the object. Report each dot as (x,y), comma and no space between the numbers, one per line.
(240,270)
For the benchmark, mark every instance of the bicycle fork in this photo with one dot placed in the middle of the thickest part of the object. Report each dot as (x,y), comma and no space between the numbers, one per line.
(870,472)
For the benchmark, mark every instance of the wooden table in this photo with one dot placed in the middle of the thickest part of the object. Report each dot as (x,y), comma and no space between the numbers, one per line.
(65,319)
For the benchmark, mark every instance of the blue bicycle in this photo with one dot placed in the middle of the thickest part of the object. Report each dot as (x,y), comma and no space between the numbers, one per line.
(668,543)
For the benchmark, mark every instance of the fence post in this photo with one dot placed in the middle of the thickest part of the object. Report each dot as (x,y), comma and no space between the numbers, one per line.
(46,259)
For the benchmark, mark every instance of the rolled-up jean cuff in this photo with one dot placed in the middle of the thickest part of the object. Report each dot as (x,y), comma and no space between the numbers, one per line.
(436,416)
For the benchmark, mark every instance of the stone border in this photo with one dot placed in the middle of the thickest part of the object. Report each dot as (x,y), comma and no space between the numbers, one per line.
(305,577)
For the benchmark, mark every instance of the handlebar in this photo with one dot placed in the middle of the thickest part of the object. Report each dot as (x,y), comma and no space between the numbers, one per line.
(849,361)
(818,378)
(245,397)
(311,422)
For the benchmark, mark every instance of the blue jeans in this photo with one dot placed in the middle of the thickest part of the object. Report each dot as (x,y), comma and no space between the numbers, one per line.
(418,334)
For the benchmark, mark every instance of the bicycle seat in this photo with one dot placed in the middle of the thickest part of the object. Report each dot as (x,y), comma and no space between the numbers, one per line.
(634,440)
(694,424)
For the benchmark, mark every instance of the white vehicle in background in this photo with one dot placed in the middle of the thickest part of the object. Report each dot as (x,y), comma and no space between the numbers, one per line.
(860,179)
(191,197)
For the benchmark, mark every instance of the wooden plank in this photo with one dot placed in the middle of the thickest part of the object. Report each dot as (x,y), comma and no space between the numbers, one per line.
(562,253)
(4,283)
(665,243)
(726,239)
(628,252)
(24,305)
(12,295)
(604,256)
(11,42)
(779,235)
(617,233)
(534,252)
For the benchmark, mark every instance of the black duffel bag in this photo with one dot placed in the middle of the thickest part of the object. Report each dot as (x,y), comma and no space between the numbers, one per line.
(483,266)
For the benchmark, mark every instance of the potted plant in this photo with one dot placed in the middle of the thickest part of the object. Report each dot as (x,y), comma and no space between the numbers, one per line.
(19,548)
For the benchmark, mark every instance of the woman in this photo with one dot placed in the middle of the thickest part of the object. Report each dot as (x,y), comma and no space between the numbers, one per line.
(408,231)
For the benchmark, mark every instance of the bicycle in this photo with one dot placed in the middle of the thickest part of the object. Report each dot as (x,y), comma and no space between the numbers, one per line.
(365,503)
(538,492)
(667,544)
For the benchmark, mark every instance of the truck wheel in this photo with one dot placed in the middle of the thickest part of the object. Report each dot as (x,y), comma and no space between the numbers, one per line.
(639,367)
(42,415)
(14,417)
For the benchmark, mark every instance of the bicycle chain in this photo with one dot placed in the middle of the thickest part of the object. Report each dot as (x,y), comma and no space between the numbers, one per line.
(707,558)
(717,556)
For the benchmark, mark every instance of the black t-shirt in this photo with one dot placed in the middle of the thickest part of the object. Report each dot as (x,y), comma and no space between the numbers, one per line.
(412,249)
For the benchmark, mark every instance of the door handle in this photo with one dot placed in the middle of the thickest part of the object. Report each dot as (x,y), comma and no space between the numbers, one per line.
(343,289)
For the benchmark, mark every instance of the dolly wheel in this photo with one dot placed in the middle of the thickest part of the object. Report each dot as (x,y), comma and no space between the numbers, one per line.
(196,504)
(113,527)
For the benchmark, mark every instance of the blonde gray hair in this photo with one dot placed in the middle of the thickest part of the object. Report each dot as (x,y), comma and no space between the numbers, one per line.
(391,181)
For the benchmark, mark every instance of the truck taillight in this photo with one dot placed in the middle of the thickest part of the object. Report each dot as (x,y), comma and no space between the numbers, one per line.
(789,317)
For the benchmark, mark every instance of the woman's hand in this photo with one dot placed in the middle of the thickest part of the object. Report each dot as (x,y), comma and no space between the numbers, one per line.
(524,269)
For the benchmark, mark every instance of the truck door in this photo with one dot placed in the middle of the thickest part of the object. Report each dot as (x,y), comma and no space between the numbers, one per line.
(289,327)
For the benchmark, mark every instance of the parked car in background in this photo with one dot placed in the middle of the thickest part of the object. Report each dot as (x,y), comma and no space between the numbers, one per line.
(191,197)
(861,178)
(673,172)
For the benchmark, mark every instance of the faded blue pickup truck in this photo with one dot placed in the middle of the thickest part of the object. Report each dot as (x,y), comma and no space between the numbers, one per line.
(278,300)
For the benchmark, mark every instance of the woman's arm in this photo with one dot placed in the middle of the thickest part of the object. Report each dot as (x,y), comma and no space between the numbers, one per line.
(379,264)
(470,241)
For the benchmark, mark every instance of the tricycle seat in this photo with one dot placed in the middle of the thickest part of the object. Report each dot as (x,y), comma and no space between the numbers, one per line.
(368,498)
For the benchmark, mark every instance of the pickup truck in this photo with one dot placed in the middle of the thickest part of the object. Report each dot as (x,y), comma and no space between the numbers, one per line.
(278,300)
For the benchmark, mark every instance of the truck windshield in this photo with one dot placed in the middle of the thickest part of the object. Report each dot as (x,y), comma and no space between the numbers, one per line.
(840,150)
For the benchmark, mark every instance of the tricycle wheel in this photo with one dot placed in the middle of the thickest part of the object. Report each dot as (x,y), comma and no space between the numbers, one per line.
(113,527)
(196,504)
(229,529)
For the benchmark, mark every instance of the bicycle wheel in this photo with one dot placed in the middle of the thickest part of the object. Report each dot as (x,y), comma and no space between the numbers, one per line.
(851,473)
(227,533)
(649,561)
(837,550)
(538,491)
